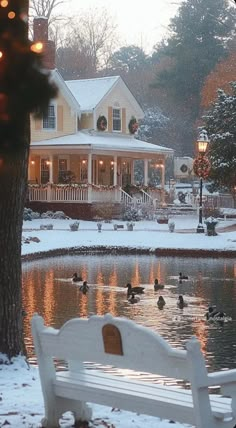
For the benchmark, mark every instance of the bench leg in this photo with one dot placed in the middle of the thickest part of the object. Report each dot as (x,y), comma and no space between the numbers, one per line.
(82,412)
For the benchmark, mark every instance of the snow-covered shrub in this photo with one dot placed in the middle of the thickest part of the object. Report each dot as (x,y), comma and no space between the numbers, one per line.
(59,215)
(27,214)
(35,215)
(47,214)
(131,214)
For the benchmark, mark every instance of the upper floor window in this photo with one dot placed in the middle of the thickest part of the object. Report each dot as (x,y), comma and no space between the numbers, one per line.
(49,119)
(116,117)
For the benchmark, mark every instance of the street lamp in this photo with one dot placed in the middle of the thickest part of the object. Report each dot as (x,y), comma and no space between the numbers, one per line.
(201,168)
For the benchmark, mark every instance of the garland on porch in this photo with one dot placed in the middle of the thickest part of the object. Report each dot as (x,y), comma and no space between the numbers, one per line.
(133,125)
(102,123)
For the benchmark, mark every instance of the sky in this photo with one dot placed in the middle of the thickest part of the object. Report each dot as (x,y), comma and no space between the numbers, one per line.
(21,401)
(142,24)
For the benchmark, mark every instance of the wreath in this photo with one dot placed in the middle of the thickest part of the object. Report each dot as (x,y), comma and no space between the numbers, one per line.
(201,167)
(102,123)
(133,125)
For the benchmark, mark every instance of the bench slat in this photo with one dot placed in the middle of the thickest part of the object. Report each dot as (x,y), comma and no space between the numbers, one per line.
(154,398)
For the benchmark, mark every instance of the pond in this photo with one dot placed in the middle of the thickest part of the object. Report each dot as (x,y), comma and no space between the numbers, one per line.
(49,291)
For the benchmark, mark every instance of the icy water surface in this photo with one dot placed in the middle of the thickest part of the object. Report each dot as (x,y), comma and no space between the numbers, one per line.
(48,290)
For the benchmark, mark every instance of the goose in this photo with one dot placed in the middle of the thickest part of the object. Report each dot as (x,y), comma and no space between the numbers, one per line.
(133,299)
(161,302)
(76,278)
(158,286)
(214,314)
(135,290)
(84,288)
(181,303)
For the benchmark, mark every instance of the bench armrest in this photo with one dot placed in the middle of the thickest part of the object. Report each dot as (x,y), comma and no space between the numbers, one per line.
(222,378)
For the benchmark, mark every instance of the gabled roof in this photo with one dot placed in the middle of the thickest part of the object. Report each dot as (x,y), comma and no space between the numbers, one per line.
(90,92)
(69,97)
(104,143)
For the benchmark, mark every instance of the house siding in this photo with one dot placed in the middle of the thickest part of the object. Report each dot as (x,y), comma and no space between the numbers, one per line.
(86,121)
(66,123)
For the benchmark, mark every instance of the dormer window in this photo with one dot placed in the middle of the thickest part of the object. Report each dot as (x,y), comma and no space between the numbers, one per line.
(116,117)
(49,119)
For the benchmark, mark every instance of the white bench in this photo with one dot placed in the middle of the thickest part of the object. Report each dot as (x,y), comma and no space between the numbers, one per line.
(122,343)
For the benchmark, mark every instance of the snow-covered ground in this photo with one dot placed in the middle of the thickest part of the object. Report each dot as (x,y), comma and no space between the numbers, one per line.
(21,403)
(146,234)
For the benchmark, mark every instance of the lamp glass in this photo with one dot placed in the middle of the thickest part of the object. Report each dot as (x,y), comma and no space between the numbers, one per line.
(202,146)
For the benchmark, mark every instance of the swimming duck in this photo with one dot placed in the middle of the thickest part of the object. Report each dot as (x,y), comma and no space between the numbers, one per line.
(181,276)
(135,290)
(181,303)
(84,288)
(161,302)
(157,286)
(214,314)
(76,278)
(133,299)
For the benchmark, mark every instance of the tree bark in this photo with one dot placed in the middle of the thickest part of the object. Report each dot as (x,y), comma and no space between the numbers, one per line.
(13,187)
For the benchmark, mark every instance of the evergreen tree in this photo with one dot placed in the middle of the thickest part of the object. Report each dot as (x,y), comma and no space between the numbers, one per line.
(199,33)
(221,127)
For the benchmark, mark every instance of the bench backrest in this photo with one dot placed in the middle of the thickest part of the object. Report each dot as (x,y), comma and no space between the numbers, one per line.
(118,342)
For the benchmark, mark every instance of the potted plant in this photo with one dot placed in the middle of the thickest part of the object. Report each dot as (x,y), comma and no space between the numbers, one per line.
(99,226)
(211,223)
(130,225)
(74,226)
(171,225)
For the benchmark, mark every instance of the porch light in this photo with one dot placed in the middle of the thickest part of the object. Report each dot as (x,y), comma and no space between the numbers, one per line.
(84,161)
(101,162)
(48,163)
(112,162)
(32,162)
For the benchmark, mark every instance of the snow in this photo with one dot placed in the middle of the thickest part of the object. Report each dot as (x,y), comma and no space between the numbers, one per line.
(146,235)
(21,402)
(89,92)
(106,141)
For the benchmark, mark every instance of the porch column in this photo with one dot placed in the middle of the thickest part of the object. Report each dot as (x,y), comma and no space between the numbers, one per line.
(50,169)
(115,171)
(132,171)
(90,168)
(163,182)
(145,172)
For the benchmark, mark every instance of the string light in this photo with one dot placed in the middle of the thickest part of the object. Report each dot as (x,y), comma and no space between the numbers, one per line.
(4,3)
(37,47)
(1,54)
(11,15)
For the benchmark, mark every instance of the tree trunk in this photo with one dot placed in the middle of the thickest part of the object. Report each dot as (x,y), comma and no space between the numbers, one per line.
(13,188)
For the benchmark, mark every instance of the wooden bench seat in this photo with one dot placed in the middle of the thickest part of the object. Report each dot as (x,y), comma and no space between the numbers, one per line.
(120,343)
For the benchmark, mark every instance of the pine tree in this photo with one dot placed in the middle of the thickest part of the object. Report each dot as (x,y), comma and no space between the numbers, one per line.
(221,127)
(199,32)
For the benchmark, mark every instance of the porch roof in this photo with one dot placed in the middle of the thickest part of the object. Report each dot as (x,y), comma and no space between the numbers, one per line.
(95,142)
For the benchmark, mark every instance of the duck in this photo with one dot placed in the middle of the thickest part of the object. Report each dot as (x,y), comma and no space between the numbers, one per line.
(181,303)
(84,288)
(161,302)
(181,276)
(158,286)
(133,299)
(214,314)
(135,290)
(76,278)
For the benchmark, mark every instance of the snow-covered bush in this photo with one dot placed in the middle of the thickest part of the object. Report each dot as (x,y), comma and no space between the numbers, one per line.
(59,215)
(47,214)
(27,214)
(74,226)
(35,215)
(131,214)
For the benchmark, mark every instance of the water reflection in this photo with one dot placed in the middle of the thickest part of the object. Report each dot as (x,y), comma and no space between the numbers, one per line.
(48,290)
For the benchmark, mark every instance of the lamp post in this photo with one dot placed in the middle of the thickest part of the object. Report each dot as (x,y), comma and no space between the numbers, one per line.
(201,168)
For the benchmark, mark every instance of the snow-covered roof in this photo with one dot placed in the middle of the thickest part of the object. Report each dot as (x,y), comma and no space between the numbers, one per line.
(89,92)
(104,142)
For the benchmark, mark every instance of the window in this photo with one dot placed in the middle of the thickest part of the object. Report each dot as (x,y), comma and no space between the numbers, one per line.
(116,119)
(62,169)
(44,171)
(49,119)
